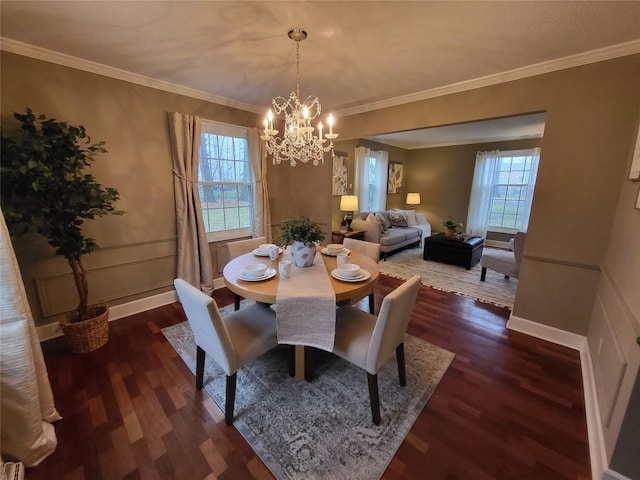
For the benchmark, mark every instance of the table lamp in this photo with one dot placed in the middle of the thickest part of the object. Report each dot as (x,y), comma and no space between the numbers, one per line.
(349,204)
(413,199)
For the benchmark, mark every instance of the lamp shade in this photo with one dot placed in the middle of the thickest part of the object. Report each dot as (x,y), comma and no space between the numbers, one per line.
(349,203)
(413,199)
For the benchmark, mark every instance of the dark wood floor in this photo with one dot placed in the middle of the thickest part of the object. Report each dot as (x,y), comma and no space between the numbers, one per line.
(510,406)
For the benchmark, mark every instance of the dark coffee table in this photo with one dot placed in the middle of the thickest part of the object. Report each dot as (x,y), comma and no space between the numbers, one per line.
(457,250)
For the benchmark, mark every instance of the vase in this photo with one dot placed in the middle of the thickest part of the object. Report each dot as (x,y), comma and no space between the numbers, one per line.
(450,232)
(302,255)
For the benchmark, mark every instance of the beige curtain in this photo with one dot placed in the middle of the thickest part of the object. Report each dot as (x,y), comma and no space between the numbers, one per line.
(26,401)
(194,256)
(261,213)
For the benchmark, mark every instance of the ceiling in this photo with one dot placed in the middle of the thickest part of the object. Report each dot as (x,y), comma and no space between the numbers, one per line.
(360,55)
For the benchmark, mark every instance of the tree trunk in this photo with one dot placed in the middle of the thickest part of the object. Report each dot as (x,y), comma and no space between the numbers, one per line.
(80,277)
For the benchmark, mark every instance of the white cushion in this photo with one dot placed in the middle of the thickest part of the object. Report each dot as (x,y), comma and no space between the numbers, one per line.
(371,218)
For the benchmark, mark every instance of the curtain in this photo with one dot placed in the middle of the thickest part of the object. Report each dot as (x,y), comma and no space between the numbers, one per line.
(379,198)
(194,257)
(481,190)
(370,184)
(533,176)
(26,404)
(485,178)
(261,214)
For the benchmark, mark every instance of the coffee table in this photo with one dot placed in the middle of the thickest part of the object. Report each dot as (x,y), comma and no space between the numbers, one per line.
(463,250)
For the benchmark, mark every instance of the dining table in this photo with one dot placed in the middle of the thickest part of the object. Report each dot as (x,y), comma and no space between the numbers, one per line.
(265,291)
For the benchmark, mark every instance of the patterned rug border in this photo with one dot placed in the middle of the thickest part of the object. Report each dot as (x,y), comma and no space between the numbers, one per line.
(428,266)
(363,451)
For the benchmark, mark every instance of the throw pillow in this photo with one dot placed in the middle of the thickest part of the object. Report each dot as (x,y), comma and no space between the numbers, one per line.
(410,214)
(372,218)
(398,219)
(380,220)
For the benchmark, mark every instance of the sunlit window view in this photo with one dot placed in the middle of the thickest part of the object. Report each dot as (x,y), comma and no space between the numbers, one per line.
(225,182)
(508,205)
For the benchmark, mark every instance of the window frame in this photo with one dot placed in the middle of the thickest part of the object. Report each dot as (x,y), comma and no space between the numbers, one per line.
(224,129)
(523,186)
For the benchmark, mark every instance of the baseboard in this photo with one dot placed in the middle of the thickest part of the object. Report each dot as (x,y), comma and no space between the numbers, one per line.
(52,330)
(597,451)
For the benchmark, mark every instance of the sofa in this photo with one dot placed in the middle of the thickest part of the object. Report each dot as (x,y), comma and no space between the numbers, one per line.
(392,229)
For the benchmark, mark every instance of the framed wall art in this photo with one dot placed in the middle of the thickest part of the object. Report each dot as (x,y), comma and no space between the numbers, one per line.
(339,182)
(394,183)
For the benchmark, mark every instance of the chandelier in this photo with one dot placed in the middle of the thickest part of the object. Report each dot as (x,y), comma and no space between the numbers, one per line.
(298,143)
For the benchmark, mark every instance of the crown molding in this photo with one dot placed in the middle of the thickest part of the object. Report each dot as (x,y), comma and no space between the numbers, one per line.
(20,48)
(592,56)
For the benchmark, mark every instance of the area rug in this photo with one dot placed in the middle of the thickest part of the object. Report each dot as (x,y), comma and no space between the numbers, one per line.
(322,429)
(451,278)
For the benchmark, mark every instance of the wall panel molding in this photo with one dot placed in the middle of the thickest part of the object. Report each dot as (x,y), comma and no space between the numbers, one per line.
(57,292)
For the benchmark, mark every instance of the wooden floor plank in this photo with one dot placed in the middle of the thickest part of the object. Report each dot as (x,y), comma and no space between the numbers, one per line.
(509,407)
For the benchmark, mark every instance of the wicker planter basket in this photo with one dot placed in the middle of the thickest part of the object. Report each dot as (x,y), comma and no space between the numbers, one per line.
(89,335)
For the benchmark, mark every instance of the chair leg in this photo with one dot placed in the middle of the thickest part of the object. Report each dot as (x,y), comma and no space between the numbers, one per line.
(236,302)
(230,399)
(402,372)
(374,398)
(372,303)
(200,356)
(483,274)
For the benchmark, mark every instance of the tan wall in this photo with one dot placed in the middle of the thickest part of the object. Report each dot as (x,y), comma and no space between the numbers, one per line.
(591,115)
(138,253)
(443,177)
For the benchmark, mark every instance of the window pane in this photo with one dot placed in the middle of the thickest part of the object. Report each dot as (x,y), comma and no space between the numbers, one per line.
(227,199)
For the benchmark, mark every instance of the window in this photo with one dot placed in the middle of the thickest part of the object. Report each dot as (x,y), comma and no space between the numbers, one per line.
(502,191)
(371,179)
(225,181)
(508,205)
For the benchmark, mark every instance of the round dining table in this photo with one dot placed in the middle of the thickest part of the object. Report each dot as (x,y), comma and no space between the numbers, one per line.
(266,290)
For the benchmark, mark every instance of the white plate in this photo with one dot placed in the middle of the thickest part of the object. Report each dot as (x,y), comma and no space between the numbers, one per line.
(327,252)
(260,253)
(271,272)
(364,275)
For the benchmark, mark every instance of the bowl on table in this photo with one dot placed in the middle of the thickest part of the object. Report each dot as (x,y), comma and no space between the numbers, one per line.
(349,270)
(265,248)
(255,270)
(335,248)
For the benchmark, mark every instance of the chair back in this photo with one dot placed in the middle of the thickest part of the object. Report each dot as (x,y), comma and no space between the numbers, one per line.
(370,249)
(392,322)
(518,247)
(209,330)
(241,247)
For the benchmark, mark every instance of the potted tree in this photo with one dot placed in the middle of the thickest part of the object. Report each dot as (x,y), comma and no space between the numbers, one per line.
(302,234)
(45,185)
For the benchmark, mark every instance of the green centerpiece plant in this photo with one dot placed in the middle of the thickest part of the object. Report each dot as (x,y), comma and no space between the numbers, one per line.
(451,226)
(303,235)
(45,186)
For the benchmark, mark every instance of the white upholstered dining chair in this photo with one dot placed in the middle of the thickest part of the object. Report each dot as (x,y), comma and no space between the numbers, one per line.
(371,250)
(368,341)
(240,247)
(232,341)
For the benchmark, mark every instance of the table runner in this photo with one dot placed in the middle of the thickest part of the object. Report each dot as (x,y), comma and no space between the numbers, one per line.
(306,307)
